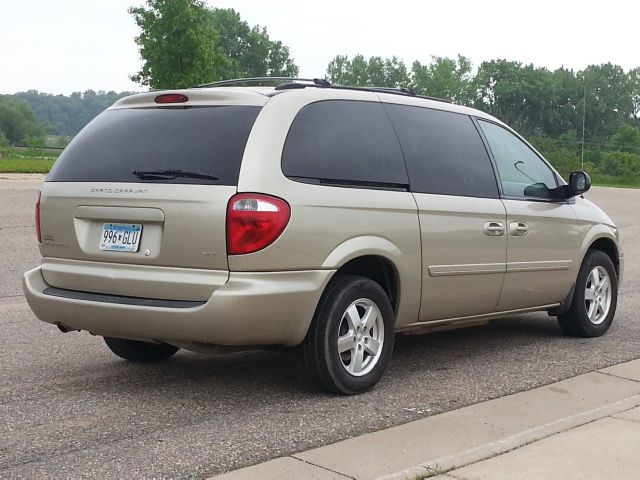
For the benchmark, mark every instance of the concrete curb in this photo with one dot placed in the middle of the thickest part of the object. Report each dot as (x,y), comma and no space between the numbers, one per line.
(23,176)
(492,449)
(455,439)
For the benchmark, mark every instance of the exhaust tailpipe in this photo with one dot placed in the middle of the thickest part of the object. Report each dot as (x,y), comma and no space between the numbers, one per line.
(65,329)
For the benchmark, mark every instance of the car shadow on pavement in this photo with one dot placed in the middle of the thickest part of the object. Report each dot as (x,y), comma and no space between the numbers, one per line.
(280,371)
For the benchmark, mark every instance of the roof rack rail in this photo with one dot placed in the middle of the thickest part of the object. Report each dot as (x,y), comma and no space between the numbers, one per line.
(392,90)
(400,89)
(290,83)
(240,81)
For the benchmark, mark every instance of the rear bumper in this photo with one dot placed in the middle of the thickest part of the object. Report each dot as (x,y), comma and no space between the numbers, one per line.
(256,308)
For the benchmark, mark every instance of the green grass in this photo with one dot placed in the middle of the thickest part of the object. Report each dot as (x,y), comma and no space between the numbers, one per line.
(25,165)
(632,181)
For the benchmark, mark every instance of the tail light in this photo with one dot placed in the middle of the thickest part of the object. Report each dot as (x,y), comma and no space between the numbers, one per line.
(254,221)
(38,233)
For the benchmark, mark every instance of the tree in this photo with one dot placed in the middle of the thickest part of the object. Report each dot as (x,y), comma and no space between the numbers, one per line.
(248,51)
(444,77)
(520,95)
(564,94)
(375,72)
(177,44)
(396,73)
(17,120)
(343,71)
(607,92)
(635,83)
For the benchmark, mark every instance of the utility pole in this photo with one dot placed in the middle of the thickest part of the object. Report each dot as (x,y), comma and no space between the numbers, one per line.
(584,112)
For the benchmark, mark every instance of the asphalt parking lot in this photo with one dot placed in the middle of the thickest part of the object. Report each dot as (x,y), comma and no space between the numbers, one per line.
(70,408)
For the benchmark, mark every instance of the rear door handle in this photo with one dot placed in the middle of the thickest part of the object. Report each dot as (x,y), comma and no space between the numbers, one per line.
(493,229)
(518,229)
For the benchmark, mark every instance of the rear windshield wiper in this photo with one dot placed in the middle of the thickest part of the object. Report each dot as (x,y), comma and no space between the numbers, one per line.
(158,173)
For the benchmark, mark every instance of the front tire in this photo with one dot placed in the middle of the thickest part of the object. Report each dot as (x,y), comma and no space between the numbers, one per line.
(140,352)
(350,340)
(595,298)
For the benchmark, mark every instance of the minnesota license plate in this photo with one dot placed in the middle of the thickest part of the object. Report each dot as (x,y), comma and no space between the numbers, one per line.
(120,237)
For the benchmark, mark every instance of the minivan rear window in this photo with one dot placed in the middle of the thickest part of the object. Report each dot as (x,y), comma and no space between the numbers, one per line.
(207,140)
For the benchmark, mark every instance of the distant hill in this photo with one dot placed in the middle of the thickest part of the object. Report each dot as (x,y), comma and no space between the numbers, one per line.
(66,115)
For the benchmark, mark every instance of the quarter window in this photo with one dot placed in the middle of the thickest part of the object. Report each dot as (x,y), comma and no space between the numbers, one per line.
(522,173)
(444,152)
(344,142)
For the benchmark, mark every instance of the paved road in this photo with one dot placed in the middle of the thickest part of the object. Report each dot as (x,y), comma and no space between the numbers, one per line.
(69,408)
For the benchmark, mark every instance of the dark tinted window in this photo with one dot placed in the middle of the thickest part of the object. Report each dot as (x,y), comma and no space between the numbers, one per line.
(344,140)
(444,152)
(522,173)
(207,140)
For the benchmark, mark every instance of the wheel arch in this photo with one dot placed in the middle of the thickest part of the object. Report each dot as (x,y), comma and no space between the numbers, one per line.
(599,238)
(605,242)
(370,257)
(379,269)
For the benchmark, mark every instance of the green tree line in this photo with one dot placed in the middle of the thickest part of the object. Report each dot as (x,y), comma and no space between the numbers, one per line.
(65,115)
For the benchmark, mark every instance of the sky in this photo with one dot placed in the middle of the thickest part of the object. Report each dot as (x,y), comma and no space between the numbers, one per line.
(64,46)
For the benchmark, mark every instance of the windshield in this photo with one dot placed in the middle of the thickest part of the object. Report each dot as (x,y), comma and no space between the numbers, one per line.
(206,140)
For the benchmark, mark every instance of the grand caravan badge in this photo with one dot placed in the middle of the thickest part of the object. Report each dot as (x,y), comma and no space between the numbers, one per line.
(118,190)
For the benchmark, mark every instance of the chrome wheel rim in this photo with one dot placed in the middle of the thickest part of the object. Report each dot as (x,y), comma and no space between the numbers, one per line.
(360,337)
(597,295)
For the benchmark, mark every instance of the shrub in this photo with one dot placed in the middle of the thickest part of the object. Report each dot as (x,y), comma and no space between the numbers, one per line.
(5,149)
(619,164)
(35,146)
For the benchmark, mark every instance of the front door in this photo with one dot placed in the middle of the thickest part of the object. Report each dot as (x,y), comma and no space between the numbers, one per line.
(542,233)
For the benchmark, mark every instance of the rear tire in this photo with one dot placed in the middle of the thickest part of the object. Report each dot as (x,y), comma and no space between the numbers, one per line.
(140,352)
(350,340)
(595,298)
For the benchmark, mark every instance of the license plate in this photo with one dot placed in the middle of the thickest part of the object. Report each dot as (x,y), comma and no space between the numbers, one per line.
(120,237)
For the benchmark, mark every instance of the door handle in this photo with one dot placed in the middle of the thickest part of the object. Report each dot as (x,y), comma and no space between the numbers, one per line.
(493,229)
(518,229)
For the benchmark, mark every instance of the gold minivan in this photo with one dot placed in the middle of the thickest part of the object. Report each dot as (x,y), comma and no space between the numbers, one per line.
(311,214)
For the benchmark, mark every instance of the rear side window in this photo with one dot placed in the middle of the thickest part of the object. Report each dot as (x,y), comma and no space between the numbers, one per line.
(444,152)
(344,142)
(207,140)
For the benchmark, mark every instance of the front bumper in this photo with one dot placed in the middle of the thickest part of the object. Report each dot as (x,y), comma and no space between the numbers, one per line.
(620,268)
(255,308)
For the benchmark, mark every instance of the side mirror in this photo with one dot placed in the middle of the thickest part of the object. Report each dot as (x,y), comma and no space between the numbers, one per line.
(579,182)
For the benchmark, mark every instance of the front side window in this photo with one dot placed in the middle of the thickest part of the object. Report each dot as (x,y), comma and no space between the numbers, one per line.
(522,173)
(344,142)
